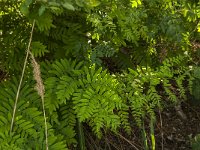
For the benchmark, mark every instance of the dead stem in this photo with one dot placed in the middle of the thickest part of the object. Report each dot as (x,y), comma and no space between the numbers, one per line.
(40,89)
(128,141)
(22,76)
(39,85)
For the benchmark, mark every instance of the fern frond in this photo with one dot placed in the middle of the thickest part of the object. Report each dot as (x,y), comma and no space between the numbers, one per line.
(182,91)
(50,95)
(28,126)
(190,82)
(97,99)
(44,22)
(38,49)
(172,96)
(66,87)
(65,67)
(153,97)
(61,85)
(124,117)
(138,101)
(67,122)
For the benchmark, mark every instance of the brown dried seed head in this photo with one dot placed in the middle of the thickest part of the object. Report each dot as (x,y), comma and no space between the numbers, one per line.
(37,76)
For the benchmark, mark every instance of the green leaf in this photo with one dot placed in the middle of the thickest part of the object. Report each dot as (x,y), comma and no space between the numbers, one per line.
(95,36)
(24,9)
(79,3)
(198,27)
(41,10)
(68,6)
(93,3)
(134,4)
(54,4)
(28,2)
(197,72)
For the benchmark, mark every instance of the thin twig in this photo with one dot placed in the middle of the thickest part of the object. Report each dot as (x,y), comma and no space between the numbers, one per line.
(91,141)
(113,145)
(120,143)
(106,141)
(20,82)
(128,141)
(45,122)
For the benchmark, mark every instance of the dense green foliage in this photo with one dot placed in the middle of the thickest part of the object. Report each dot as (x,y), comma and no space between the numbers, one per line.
(101,61)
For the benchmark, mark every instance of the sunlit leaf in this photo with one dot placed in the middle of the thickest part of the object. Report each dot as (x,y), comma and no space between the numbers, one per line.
(93,3)
(134,4)
(198,27)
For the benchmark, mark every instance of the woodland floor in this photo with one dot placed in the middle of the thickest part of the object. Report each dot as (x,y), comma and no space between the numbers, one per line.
(171,132)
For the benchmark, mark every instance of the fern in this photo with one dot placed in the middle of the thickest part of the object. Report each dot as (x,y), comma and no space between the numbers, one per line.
(190,82)
(44,22)
(60,85)
(194,83)
(29,127)
(50,95)
(124,117)
(178,74)
(179,80)
(129,35)
(100,51)
(97,100)
(93,94)
(124,111)
(67,122)
(154,98)
(142,86)
(172,97)
(143,103)
(66,87)
(38,49)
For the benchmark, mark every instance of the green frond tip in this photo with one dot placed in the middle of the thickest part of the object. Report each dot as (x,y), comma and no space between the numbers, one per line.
(38,49)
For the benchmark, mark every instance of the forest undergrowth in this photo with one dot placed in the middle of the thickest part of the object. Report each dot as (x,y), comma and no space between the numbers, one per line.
(99,74)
